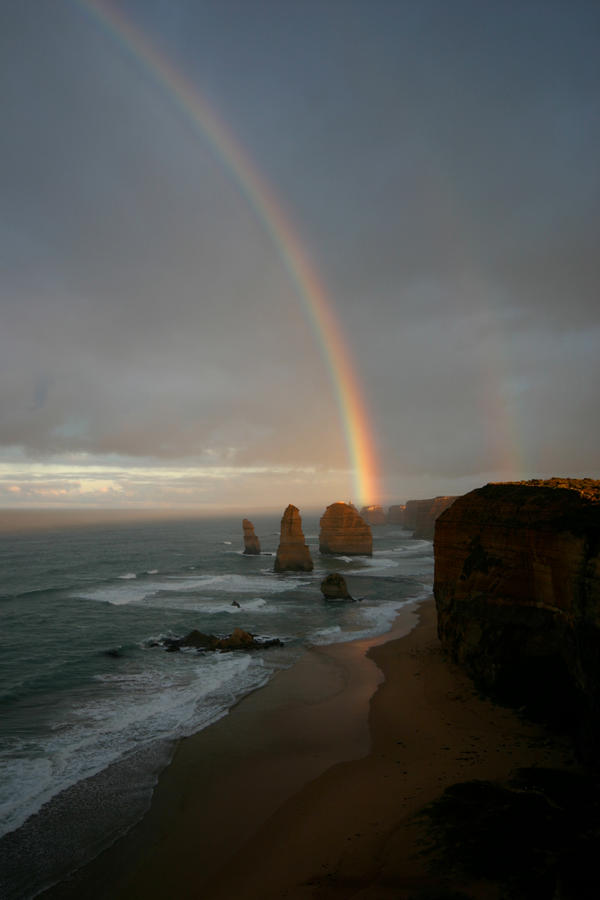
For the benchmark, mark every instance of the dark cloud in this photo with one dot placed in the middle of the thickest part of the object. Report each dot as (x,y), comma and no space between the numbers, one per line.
(441,163)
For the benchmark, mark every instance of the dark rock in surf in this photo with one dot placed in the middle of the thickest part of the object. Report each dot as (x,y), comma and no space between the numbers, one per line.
(237,640)
(334,587)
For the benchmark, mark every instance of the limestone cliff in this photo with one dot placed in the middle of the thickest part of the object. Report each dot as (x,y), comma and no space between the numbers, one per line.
(292,554)
(420,515)
(343,530)
(374,515)
(426,513)
(396,514)
(251,542)
(517,589)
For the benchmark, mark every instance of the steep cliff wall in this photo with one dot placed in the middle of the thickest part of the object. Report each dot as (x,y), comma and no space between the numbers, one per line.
(343,530)
(420,515)
(426,513)
(517,589)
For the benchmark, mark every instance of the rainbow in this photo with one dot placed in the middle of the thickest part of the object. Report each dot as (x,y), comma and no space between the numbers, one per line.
(348,393)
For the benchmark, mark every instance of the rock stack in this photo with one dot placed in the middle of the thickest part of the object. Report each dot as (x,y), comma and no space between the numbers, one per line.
(251,542)
(374,515)
(343,530)
(334,587)
(292,554)
(395,514)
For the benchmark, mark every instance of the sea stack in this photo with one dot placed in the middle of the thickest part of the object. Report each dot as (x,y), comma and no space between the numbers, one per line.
(344,531)
(292,554)
(374,515)
(334,587)
(251,542)
(396,514)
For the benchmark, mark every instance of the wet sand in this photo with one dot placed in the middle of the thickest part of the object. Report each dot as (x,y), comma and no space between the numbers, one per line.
(309,787)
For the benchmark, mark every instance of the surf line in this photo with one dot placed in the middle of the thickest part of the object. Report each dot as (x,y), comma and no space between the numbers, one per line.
(261,198)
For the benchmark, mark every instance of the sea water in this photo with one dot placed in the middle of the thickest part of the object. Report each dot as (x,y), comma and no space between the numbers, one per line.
(91,705)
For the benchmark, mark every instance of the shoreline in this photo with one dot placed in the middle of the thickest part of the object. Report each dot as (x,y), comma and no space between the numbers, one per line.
(224,781)
(309,787)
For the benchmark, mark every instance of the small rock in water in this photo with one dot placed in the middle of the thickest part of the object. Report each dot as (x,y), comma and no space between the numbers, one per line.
(334,587)
(237,640)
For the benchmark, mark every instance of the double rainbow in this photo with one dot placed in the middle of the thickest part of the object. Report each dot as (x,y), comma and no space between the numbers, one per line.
(328,331)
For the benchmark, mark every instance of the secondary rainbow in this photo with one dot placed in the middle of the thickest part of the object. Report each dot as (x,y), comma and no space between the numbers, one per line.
(350,401)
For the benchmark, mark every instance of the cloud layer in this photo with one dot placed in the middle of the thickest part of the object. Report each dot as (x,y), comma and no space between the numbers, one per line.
(441,164)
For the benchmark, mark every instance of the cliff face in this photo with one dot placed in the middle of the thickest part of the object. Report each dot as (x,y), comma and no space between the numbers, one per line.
(396,514)
(420,515)
(517,589)
(426,513)
(251,542)
(344,531)
(374,515)
(292,554)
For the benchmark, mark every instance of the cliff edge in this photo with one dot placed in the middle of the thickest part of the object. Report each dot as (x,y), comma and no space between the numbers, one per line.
(517,590)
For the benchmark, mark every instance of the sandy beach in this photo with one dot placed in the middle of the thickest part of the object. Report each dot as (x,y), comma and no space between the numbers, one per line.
(309,787)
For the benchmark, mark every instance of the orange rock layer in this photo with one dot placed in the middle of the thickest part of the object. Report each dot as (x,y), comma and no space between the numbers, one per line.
(292,554)
(344,531)
(517,589)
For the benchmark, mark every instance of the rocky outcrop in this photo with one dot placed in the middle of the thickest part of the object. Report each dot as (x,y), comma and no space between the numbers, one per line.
(251,542)
(292,554)
(237,640)
(517,589)
(334,587)
(396,514)
(420,515)
(426,514)
(374,515)
(344,531)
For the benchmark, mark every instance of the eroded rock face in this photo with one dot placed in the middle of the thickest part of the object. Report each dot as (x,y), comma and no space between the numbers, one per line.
(420,515)
(344,531)
(396,514)
(334,587)
(292,554)
(517,589)
(251,542)
(374,515)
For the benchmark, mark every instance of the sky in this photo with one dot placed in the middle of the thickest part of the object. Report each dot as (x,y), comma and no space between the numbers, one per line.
(437,164)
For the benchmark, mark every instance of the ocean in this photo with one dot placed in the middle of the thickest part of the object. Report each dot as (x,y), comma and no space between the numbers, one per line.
(91,705)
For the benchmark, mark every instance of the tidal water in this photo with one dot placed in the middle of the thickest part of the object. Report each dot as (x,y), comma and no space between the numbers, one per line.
(90,707)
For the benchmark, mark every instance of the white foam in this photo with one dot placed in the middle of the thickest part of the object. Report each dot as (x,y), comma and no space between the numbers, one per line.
(243,584)
(228,543)
(135,709)
(165,591)
(152,572)
(128,575)
(326,635)
(374,566)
